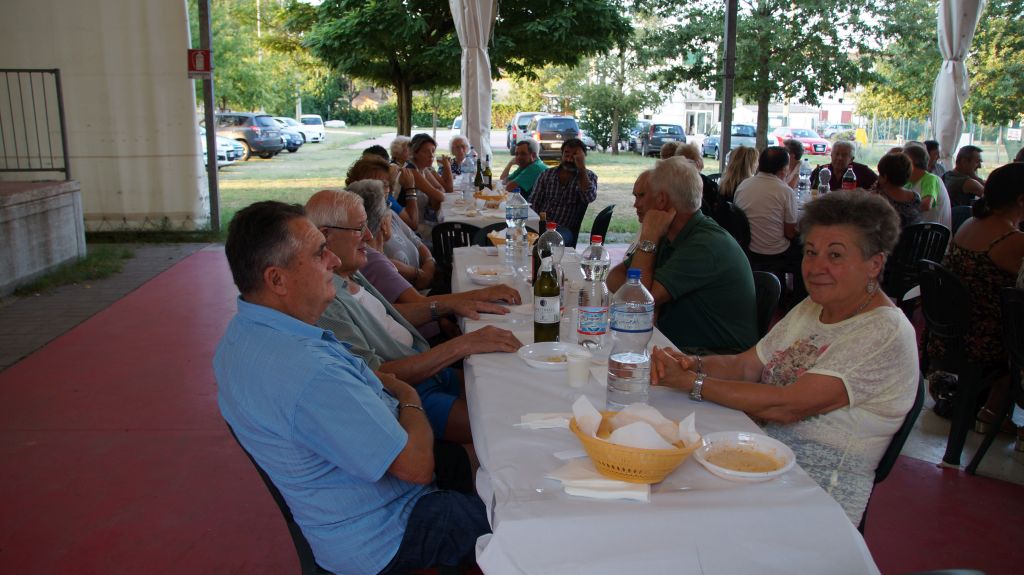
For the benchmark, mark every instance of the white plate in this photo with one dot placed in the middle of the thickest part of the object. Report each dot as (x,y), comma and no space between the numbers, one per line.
(489,274)
(543,355)
(754,441)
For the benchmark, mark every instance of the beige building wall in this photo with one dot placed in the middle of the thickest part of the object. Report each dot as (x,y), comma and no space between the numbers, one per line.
(131,117)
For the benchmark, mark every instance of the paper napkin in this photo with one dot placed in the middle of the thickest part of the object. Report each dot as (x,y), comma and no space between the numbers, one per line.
(580,478)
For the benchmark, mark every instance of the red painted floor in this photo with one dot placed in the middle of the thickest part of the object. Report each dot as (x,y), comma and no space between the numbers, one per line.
(926,517)
(114,456)
(114,459)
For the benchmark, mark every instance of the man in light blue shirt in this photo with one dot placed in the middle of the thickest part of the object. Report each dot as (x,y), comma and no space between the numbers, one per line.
(351,451)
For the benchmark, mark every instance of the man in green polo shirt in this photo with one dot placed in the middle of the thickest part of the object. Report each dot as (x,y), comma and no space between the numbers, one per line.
(529,167)
(701,281)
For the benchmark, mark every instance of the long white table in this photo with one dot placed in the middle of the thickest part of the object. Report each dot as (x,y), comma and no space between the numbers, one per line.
(694,523)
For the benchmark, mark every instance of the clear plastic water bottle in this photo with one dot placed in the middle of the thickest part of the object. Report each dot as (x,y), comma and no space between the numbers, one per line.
(629,364)
(550,243)
(803,187)
(594,297)
(517,210)
(824,177)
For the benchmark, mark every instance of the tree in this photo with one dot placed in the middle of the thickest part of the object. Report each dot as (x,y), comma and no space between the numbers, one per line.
(412,44)
(996,64)
(620,90)
(785,49)
(905,69)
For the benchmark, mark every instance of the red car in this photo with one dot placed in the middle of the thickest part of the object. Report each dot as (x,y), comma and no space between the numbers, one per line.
(814,144)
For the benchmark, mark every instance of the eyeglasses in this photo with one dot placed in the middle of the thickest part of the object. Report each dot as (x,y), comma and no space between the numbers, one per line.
(360,230)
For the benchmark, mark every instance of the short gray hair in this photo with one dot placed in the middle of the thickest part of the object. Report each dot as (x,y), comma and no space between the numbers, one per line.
(530,143)
(331,207)
(458,138)
(398,144)
(374,201)
(690,151)
(845,144)
(871,215)
(679,178)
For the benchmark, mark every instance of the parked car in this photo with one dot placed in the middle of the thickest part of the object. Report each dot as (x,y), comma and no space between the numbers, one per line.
(660,134)
(457,124)
(813,144)
(636,133)
(226,154)
(292,141)
(517,128)
(831,131)
(312,127)
(292,133)
(742,135)
(335,123)
(588,141)
(258,133)
(550,132)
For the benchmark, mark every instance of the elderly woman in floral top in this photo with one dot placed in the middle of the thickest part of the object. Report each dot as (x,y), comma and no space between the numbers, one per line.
(835,378)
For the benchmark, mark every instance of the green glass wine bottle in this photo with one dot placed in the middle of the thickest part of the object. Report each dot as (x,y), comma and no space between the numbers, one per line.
(546,307)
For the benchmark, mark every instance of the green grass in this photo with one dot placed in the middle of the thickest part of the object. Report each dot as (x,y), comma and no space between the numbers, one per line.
(100,262)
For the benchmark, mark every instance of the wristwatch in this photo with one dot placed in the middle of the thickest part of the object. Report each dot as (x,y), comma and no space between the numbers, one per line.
(698,385)
(647,246)
(434,314)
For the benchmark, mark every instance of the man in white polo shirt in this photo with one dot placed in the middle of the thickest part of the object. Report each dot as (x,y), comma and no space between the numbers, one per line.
(770,206)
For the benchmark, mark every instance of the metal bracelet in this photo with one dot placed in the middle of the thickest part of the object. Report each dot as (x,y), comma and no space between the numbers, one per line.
(412,405)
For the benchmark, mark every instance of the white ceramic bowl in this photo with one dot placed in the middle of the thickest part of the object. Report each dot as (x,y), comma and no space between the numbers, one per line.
(746,440)
(489,274)
(548,355)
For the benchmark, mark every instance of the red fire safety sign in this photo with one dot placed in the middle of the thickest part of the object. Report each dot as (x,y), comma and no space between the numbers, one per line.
(199,65)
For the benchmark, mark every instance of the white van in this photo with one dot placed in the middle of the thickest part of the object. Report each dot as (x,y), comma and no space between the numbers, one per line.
(312,127)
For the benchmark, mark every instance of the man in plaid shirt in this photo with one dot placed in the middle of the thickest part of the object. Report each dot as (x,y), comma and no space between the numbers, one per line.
(565,191)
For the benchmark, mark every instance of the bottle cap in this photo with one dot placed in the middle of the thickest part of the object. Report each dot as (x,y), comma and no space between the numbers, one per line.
(633,274)
(552,226)
(596,239)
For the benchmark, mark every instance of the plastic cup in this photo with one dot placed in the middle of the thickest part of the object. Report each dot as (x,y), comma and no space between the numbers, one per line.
(578,362)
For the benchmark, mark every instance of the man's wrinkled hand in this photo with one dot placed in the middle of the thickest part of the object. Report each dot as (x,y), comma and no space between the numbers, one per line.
(499,292)
(473,308)
(489,339)
(656,223)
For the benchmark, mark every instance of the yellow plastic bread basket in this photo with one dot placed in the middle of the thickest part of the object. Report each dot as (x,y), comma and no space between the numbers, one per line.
(497,237)
(630,464)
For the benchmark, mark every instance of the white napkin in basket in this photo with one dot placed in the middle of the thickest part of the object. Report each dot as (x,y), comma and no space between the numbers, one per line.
(579,477)
(588,418)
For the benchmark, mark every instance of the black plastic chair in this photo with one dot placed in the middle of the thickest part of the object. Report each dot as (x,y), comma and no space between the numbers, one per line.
(306,560)
(946,304)
(734,220)
(959,216)
(899,439)
(1013,340)
(601,221)
(716,178)
(768,291)
(924,241)
(445,238)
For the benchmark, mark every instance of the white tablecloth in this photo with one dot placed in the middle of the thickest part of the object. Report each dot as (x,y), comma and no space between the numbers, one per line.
(694,523)
(454,208)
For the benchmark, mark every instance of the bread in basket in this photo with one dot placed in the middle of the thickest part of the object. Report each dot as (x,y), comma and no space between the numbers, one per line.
(631,464)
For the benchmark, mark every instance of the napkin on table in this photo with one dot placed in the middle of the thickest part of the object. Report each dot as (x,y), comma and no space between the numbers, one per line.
(544,420)
(579,477)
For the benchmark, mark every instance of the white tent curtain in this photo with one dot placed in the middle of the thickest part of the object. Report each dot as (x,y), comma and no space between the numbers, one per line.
(957,21)
(474,20)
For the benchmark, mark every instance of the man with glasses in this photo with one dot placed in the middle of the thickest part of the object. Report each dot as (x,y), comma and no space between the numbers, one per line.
(386,335)
(350,450)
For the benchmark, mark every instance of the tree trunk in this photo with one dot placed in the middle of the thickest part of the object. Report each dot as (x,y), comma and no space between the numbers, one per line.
(762,120)
(615,132)
(404,93)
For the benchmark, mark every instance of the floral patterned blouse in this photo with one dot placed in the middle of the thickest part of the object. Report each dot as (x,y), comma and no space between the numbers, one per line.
(874,354)
(983,279)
